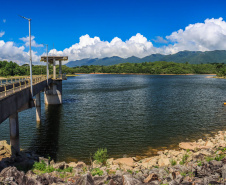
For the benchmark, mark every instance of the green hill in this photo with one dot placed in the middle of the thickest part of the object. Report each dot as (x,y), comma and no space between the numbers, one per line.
(192,57)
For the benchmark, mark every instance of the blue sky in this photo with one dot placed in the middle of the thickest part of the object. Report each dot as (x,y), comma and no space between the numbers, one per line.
(65,22)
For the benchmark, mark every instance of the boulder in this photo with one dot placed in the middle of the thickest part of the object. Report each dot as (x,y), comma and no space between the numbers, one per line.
(163,162)
(85,180)
(129,180)
(151,177)
(126,161)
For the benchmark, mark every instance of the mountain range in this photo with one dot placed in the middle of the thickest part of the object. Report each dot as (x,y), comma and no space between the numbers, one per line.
(192,57)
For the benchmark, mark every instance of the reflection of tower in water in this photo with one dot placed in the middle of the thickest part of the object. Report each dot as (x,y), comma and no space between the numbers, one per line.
(45,141)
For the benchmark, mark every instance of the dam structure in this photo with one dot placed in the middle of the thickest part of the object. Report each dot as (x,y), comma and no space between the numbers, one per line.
(17,94)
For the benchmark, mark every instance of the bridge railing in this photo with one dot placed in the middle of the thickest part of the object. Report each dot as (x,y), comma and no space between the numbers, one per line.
(12,85)
(61,76)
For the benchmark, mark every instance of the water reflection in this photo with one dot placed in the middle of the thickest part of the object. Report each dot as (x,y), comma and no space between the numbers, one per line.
(46,138)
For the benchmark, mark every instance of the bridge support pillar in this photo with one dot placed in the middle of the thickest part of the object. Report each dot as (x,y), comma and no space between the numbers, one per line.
(54,69)
(14,133)
(53,96)
(38,107)
(60,67)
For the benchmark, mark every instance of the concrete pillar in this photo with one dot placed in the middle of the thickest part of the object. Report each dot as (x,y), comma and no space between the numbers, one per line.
(60,67)
(54,69)
(53,96)
(38,107)
(14,133)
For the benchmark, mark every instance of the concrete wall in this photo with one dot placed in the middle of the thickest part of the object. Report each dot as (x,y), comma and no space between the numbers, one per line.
(14,102)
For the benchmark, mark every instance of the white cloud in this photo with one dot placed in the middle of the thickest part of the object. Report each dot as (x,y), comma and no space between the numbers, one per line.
(210,35)
(206,36)
(88,47)
(33,42)
(4,20)
(2,33)
(160,40)
(10,52)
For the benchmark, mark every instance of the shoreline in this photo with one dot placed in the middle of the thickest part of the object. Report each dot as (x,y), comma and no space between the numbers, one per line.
(140,74)
(198,162)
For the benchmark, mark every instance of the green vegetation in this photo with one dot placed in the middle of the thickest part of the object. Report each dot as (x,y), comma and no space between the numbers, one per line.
(97,171)
(130,171)
(208,159)
(219,157)
(161,67)
(173,162)
(43,168)
(151,68)
(200,163)
(184,159)
(101,155)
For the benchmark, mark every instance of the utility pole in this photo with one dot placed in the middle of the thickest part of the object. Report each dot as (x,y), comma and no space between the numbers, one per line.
(47,63)
(29,20)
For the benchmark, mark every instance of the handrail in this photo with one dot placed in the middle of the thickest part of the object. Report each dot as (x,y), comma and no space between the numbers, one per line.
(11,86)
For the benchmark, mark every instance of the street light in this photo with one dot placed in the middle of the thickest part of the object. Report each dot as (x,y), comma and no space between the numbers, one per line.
(30,53)
(47,63)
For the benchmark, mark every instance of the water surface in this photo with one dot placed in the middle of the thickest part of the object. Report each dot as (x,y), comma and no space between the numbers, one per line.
(127,114)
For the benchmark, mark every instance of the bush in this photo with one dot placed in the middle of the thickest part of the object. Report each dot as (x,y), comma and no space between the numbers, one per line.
(101,155)
(97,171)
(173,162)
(39,166)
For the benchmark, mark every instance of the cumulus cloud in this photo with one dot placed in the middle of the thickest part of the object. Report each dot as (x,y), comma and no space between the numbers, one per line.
(206,36)
(10,52)
(160,40)
(33,42)
(4,20)
(88,47)
(2,33)
(210,35)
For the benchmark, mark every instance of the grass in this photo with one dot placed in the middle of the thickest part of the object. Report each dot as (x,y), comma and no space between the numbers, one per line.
(209,158)
(219,157)
(173,162)
(184,159)
(130,171)
(43,168)
(200,163)
(101,155)
(97,171)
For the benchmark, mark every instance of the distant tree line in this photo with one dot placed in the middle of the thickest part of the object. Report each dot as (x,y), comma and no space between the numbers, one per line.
(161,67)
(153,68)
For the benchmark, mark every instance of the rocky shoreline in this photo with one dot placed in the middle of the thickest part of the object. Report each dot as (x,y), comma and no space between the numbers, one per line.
(200,162)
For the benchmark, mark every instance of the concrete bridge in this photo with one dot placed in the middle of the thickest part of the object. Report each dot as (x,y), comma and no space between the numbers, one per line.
(16,96)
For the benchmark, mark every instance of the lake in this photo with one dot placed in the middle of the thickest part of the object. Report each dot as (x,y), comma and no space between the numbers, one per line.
(128,114)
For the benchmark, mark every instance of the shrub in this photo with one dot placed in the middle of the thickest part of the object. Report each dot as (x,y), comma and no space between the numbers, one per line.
(97,171)
(101,155)
(39,166)
(219,157)
(173,162)
(184,159)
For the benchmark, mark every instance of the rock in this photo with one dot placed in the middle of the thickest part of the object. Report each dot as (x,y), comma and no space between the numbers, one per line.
(85,180)
(163,162)
(101,180)
(72,164)
(110,161)
(96,164)
(60,165)
(80,164)
(214,165)
(151,177)
(129,180)
(209,144)
(127,161)
(111,182)
(46,161)
(117,179)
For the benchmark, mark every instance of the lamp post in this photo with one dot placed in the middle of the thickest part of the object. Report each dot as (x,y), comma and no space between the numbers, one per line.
(29,20)
(47,63)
